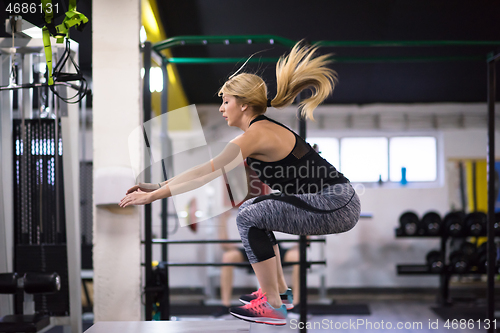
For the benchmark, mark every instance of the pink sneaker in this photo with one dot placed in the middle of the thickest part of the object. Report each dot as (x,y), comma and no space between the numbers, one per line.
(260,311)
(246,299)
(286,297)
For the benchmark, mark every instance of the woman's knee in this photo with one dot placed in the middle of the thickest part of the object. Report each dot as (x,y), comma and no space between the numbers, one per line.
(243,218)
(291,255)
(232,256)
(245,204)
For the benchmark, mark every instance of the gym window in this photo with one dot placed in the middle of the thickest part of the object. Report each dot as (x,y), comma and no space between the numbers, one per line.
(364,159)
(417,154)
(370,159)
(328,148)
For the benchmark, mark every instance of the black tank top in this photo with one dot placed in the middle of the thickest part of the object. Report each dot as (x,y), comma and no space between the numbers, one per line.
(302,171)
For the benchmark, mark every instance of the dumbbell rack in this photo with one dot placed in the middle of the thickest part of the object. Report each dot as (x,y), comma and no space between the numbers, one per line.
(424,269)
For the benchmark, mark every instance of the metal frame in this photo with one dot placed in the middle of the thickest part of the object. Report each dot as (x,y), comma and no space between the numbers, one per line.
(491,256)
(272,39)
(71,171)
(6,191)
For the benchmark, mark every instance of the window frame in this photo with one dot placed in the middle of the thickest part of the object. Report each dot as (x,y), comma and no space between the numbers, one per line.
(437,135)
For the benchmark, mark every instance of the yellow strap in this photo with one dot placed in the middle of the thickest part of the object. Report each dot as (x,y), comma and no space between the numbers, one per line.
(47,10)
(48,53)
(71,19)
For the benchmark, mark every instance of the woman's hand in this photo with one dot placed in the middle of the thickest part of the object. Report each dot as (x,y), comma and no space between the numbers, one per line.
(144,187)
(137,197)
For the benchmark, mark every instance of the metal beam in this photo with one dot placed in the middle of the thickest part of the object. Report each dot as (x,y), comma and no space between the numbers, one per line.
(166,147)
(406,43)
(146,99)
(302,239)
(6,190)
(492,194)
(27,77)
(71,170)
(207,61)
(229,39)
(273,39)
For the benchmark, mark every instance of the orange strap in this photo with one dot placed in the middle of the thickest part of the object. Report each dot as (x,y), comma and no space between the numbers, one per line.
(212,163)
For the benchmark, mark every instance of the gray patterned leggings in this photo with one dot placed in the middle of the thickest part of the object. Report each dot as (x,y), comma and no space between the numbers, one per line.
(334,210)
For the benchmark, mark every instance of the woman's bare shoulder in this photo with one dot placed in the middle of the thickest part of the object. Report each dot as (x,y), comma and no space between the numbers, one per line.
(249,142)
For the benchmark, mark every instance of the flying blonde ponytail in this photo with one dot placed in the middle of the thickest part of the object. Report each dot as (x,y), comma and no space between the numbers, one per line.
(298,71)
(295,72)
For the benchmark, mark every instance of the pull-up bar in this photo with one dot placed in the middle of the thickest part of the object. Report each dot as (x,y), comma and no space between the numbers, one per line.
(207,61)
(272,39)
(230,39)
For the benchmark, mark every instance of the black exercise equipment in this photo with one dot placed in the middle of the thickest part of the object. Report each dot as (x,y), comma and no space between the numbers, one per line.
(469,249)
(431,222)
(38,283)
(481,257)
(39,211)
(29,284)
(453,224)
(459,262)
(496,225)
(492,188)
(8,283)
(475,223)
(410,224)
(435,261)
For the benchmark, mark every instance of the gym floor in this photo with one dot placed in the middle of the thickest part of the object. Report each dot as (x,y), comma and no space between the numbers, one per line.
(414,314)
(409,311)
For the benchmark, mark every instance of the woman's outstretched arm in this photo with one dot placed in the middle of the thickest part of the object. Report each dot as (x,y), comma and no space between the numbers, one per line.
(232,156)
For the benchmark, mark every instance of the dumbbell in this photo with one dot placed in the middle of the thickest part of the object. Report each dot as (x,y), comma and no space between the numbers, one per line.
(475,223)
(31,283)
(410,223)
(482,257)
(459,262)
(496,225)
(431,222)
(469,249)
(435,261)
(453,223)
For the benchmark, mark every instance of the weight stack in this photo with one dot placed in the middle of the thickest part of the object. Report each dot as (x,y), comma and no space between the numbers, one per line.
(39,220)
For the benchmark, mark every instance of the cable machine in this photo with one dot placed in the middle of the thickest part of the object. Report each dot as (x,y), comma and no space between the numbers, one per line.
(39,207)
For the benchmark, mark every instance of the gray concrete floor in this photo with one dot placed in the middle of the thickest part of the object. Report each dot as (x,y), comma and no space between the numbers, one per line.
(387,315)
(389,312)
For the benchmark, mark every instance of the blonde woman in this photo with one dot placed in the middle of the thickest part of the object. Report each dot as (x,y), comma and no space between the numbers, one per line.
(314,198)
